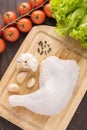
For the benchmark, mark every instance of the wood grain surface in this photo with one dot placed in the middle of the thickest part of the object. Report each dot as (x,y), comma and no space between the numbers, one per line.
(59,47)
(79,120)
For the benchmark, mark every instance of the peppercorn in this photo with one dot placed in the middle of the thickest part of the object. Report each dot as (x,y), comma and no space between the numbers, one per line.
(38,50)
(44,48)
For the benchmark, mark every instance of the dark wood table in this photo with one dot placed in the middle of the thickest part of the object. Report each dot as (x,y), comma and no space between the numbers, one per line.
(79,121)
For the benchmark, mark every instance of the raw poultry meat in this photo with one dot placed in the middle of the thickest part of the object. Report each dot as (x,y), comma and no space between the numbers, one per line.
(57,81)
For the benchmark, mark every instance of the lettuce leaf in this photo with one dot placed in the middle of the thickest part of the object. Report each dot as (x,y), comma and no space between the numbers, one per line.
(71,18)
(80,33)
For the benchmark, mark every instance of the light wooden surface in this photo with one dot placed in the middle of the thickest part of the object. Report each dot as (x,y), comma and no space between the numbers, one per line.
(65,49)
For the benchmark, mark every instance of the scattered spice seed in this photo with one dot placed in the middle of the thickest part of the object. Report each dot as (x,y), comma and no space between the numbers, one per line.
(38,50)
(48,45)
(25,61)
(49,49)
(41,53)
(44,48)
(45,41)
(41,42)
(38,43)
(45,53)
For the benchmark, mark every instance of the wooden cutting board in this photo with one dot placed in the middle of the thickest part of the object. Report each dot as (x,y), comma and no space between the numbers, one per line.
(62,48)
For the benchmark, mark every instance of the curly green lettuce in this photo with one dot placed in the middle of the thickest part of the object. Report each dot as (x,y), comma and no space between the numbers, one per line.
(71,18)
(80,33)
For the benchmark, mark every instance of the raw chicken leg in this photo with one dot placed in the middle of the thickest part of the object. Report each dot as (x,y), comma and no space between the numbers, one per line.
(57,82)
